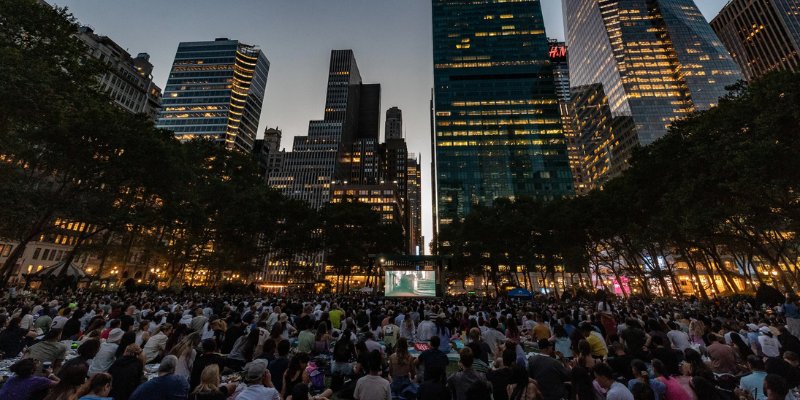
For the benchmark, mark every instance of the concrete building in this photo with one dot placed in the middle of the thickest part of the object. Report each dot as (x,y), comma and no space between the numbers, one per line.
(129,80)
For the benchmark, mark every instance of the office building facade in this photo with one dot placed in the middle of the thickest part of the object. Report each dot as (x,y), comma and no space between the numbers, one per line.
(761,35)
(416,243)
(497,123)
(128,80)
(658,60)
(558,57)
(604,142)
(326,155)
(215,91)
(393,127)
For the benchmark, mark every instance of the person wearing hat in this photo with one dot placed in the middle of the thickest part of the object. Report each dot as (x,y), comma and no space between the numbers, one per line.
(258,379)
(427,328)
(166,386)
(105,356)
(770,346)
(50,349)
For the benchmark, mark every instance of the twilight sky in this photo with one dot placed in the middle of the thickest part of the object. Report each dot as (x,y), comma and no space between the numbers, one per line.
(391,40)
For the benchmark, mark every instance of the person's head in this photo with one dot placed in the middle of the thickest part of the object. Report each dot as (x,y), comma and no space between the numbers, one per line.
(755,363)
(209,346)
(115,323)
(53,335)
(133,350)
(168,364)
(209,379)
(115,335)
(586,329)
(300,392)
(467,357)
(166,329)
(659,369)
(509,357)
(256,372)
(374,362)
(704,389)
(100,384)
(435,342)
(775,387)
(546,347)
(584,348)
(604,375)
(639,369)
(283,348)
(23,368)
(474,334)
(88,349)
(71,378)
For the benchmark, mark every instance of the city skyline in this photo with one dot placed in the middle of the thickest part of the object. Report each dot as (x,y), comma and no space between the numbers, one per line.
(391,39)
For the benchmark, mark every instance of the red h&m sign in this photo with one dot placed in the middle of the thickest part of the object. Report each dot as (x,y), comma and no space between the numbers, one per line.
(558,53)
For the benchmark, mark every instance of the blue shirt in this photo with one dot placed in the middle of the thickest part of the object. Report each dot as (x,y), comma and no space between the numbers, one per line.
(659,388)
(754,383)
(167,387)
(790,310)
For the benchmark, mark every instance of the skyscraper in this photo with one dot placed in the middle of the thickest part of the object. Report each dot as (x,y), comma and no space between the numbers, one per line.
(497,123)
(215,91)
(394,123)
(558,57)
(414,205)
(328,153)
(657,60)
(761,35)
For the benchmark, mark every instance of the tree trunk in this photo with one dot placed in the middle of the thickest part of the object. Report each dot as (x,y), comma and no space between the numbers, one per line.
(38,228)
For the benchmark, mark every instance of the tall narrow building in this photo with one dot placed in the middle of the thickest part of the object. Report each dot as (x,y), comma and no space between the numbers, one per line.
(497,123)
(761,35)
(341,146)
(394,123)
(215,91)
(656,61)
(414,205)
(558,57)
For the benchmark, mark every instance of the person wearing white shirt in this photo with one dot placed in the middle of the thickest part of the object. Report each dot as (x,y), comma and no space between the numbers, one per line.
(678,338)
(107,354)
(155,346)
(770,345)
(426,329)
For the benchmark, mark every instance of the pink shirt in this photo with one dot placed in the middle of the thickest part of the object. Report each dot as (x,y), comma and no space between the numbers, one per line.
(675,391)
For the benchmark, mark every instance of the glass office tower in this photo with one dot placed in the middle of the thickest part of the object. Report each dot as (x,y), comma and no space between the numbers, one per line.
(657,60)
(497,123)
(762,35)
(215,91)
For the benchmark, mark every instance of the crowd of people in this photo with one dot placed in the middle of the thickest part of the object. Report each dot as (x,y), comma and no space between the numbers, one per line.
(150,345)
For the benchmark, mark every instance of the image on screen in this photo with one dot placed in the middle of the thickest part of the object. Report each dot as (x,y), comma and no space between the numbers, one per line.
(410,284)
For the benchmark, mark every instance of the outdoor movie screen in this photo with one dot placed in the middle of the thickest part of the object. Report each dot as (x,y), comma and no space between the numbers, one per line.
(410,284)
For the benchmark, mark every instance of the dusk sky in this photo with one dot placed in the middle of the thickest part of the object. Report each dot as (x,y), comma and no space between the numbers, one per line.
(391,41)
